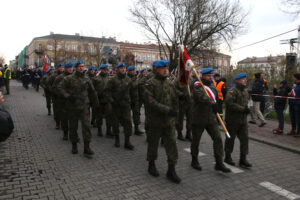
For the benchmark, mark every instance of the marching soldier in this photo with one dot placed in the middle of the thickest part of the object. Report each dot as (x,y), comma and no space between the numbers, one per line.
(91,74)
(236,119)
(204,117)
(131,73)
(79,91)
(141,88)
(59,70)
(44,84)
(62,110)
(119,87)
(161,104)
(185,109)
(101,86)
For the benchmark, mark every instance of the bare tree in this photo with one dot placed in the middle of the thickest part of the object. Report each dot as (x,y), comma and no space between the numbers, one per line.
(2,60)
(197,24)
(291,7)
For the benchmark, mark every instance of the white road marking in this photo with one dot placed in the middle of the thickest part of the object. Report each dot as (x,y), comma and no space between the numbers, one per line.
(189,151)
(279,190)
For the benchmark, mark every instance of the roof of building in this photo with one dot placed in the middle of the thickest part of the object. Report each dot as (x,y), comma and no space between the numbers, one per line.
(260,59)
(210,53)
(77,37)
(141,46)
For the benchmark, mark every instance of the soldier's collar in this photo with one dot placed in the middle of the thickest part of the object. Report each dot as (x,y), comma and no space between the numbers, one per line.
(77,73)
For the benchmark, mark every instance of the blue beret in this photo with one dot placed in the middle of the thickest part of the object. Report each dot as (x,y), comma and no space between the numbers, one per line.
(131,68)
(122,64)
(143,69)
(68,65)
(79,62)
(207,70)
(51,68)
(239,76)
(91,68)
(103,66)
(60,64)
(160,63)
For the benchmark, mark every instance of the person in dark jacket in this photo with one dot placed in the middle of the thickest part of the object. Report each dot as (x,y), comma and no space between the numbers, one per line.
(279,105)
(257,90)
(296,93)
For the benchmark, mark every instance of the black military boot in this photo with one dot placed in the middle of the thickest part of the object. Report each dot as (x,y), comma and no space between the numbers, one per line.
(127,144)
(57,126)
(74,148)
(228,159)
(195,163)
(100,132)
(49,111)
(244,162)
(220,166)
(152,169)
(179,136)
(137,131)
(117,141)
(171,174)
(65,137)
(188,135)
(87,150)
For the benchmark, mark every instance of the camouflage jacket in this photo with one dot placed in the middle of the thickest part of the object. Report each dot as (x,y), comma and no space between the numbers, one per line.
(101,86)
(183,94)
(56,82)
(134,92)
(141,88)
(51,81)
(119,90)
(202,104)
(160,99)
(236,100)
(44,81)
(79,91)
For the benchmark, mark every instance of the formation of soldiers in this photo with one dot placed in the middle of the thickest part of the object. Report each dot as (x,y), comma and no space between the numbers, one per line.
(90,97)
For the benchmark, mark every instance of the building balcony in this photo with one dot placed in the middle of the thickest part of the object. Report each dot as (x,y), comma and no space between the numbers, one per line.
(39,51)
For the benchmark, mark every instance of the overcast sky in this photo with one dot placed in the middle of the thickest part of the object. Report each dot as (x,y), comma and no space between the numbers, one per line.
(22,20)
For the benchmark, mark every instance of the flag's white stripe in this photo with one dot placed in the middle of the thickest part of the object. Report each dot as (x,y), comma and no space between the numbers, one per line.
(279,190)
(211,92)
(188,65)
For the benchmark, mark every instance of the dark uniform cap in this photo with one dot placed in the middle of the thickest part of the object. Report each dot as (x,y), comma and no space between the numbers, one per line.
(207,70)
(91,68)
(217,75)
(122,64)
(79,62)
(68,65)
(239,76)
(60,64)
(103,66)
(131,68)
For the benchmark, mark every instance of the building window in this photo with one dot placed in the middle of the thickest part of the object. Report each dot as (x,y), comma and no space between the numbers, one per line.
(58,47)
(219,63)
(149,57)
(49,47)
(225,63)
(74,47)
(40,47)
(144,56)
(138,56)
(153,57)
(67,47)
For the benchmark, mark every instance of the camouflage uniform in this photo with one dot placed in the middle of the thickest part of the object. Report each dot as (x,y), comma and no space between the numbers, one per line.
(79,91)
(44,84)
(105,110)
(134,96)
(160,101)
(61,103)
(185,109)
(93,120)
(119,87)
(54,98)
(236,120)
(205,118)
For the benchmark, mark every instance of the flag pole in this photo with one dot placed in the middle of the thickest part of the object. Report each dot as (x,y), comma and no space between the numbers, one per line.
(218,115)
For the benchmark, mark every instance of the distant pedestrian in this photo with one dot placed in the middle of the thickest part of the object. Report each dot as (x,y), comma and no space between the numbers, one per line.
(257,90)
(296,103)
(262,105)
(7,77)
(279,105)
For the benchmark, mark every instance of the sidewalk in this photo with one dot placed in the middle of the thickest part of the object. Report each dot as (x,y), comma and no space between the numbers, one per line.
(265,135)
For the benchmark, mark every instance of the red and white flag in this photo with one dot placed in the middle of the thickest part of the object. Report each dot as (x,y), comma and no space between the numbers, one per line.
(45,65)
(293,94)
(208,90)
(184,67)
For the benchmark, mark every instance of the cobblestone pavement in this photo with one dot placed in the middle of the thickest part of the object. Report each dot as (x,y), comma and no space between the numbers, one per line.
(35,163)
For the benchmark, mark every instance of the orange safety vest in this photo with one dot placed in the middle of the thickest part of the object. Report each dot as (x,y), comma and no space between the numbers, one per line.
(219,89)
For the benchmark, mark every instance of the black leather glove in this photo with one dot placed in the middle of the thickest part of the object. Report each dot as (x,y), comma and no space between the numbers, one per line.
(172,113)
(215,108)
(247,110)
(72,99)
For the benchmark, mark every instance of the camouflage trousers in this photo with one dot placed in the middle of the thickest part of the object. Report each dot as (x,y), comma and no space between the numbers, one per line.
(135,114)
(122,115)
(184,110)
(104,111)
(81,115)
(56,110)
(213,131)
(240,131)
(167,133)
(48,98)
